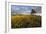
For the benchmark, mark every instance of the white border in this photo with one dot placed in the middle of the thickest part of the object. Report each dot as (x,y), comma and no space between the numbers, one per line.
(22,29)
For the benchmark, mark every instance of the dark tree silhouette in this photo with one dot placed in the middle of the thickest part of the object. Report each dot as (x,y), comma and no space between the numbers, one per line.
(33,11)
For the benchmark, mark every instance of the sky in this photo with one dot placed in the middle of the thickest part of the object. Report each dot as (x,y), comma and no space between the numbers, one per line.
(24,9)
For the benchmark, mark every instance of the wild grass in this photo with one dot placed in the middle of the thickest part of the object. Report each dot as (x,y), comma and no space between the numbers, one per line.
(25,21)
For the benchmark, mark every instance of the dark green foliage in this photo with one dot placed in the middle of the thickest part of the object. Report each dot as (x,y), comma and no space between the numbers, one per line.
(33,11)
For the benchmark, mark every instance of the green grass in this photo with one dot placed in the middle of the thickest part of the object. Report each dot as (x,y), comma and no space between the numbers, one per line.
(25,21)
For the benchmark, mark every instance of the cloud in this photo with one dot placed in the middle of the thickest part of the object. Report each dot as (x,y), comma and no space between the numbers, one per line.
(37,9)
(26,9)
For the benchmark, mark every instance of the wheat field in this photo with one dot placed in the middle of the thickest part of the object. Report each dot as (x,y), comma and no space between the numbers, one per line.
(25,21)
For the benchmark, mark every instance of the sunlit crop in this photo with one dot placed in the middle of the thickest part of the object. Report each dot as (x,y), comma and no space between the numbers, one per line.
(25,21)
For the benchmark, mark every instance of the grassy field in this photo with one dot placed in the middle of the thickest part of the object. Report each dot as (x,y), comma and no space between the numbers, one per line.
(25,21)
